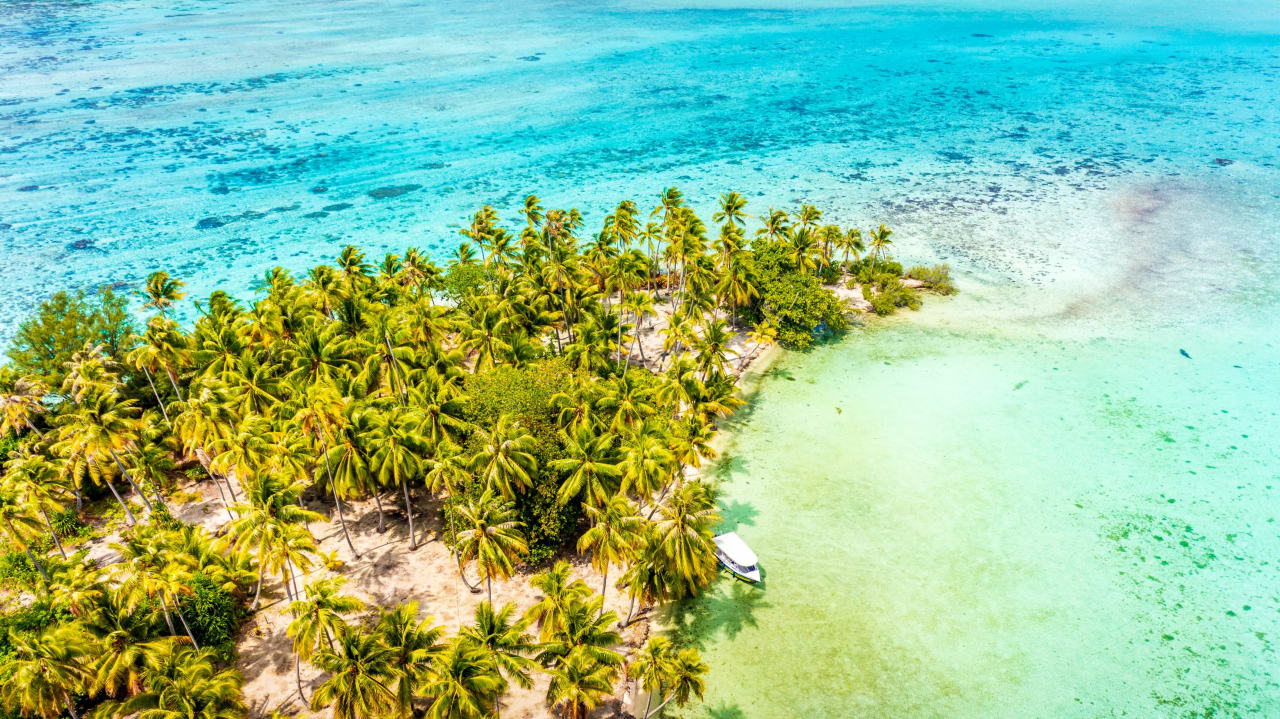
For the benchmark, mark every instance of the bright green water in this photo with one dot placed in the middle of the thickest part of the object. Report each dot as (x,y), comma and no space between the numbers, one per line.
(1017,503)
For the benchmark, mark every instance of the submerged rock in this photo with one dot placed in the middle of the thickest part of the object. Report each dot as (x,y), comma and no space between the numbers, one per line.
(383,193)
(210,223)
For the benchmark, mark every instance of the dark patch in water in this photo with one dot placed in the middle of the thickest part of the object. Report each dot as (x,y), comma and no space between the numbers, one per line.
(1020,385)
(81,245)
(220,189)
(209,223)
(530,58)
(1223,161)
(286,208)
(338,207)
(319,189)
(1184,353)
(981,34)
(317,214)
(28,188)
(383,193)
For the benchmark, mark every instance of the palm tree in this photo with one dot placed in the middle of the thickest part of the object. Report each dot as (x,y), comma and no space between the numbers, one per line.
(588,460)
(580,683)
(880,242)
(161,291)
(320,616)
(559,592)
(189,685)
(44,671)
(360,679)
(502,636)
(394,461)
(94,431)
(126,645)
(40,488)
(683,533)
(414,645)
(18,523)
(851,242)
(615,528)
(264,523)
(20,403)
(320,411)
(505,460)
(762,334)
(731,209)
(465,682)
(490,536)
(672,674)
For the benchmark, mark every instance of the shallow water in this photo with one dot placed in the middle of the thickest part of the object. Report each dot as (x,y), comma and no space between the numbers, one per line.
(1022,501)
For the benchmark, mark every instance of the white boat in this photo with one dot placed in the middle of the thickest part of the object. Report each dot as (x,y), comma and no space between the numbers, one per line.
(737,557)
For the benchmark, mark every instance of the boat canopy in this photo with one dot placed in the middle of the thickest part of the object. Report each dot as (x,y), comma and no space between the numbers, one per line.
(736,549)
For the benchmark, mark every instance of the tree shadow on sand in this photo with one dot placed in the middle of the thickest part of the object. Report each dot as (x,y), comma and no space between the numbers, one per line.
(719,612)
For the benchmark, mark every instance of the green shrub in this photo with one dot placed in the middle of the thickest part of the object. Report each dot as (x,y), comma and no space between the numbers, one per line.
(37,617)
(936,278)
(211,612)
(195,474)
(794,302)
(461,282)
(8,443)
(548,526)
(17,571)
(830,274)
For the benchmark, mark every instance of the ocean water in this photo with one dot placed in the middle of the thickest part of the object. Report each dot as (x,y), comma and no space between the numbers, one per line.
(1054,495)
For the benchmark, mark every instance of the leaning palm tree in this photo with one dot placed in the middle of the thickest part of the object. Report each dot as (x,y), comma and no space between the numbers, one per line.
(489,535)
(502,636)
(265,521)
(674,675)
(44,671)
(880,242)
(317,617)
(613,536)
(20,403)
(97,430)
(360,676)
(580,683)
(318,414)
(41,488)
(19,523)
(127,645)
(589,461)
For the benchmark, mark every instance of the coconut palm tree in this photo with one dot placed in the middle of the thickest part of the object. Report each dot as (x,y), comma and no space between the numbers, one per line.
(502,636)
(465,682)
(414,645)
(580,683)
(95,431)
(44,671)
(316,617)
(264,523)
(489,535)
(851,242)
(612,537)
(559,592)
(397,446)
(880,242)
(40,488)
(21,401)
(19,523)
(185,684)
(672,674)
(505,460)
(683,533)
(319,412)
(161,291)
(361,675)
(762,334)
(589,463)
(731,209)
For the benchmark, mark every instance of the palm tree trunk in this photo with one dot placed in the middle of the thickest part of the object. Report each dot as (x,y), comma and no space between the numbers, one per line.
(488,586)
(79,498)
(53,533)
(257,591)
(168,618)
(173,381)
(297,676)
(129,479)
(630,611)
(128,514)
(382,527)
(221,495)
(31,555)
(182,618)
(71,706)
(333,487)
(659,707)
(32,427)
(159,401)
(408,508)
(604,588)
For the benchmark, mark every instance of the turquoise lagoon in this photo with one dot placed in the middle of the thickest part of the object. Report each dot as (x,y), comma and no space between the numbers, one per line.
(1054,495)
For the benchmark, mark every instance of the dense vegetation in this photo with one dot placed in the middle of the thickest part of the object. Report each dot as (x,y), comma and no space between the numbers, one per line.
(511,384)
